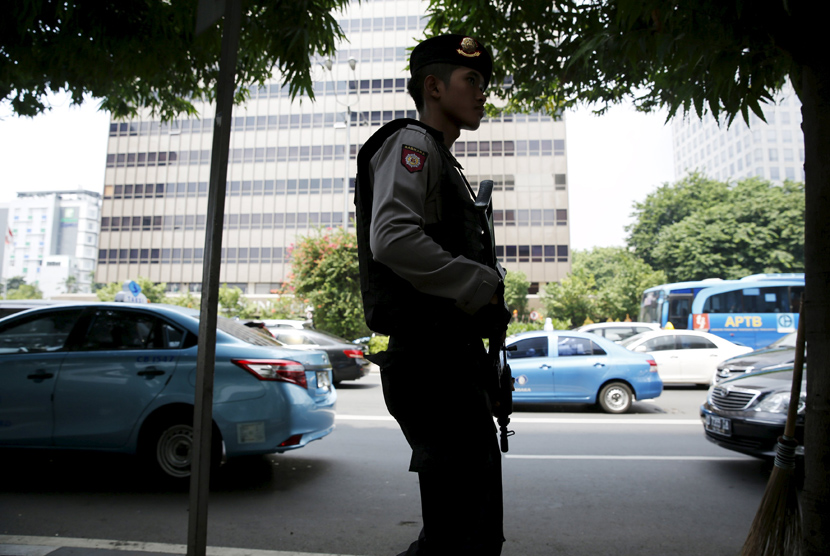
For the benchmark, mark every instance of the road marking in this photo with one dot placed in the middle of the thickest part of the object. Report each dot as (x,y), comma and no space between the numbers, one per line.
(635,458)
(9,542)
(552,420)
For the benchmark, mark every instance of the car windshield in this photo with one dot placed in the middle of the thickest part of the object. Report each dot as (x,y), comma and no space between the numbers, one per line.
(787,341)
(631,339)
(245,333)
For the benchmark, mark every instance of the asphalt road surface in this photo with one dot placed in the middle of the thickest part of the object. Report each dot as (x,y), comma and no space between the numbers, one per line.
(577,482)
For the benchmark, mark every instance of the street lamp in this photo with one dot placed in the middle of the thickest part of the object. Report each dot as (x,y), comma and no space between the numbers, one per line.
(347,125)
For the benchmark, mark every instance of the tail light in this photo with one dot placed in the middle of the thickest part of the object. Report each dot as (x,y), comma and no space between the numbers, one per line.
(353,353)
(278,370)
(652,365)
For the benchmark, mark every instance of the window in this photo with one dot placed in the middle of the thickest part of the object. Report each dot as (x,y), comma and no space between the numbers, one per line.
(660,343)
(695,342)
(530,347)
(572,346)
(127,330)
(39,333)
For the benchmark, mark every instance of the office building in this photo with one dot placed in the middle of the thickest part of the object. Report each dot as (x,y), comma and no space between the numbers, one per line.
(289,172)
(53,240)
(773,150)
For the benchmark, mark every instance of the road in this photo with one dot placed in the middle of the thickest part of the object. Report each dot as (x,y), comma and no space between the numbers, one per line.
(576,481)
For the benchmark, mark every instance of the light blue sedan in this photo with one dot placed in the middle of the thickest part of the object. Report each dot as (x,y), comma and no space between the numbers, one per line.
(564,366)
(121,378)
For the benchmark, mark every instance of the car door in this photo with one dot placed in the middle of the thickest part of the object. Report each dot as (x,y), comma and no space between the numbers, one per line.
(120,363)
(578,367)
(700,359)
(532,368)
(668,358)
(31,354)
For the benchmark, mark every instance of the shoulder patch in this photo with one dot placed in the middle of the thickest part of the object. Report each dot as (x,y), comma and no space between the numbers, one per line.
(413,159)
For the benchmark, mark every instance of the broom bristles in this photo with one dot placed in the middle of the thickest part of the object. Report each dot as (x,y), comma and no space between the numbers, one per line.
(776,529)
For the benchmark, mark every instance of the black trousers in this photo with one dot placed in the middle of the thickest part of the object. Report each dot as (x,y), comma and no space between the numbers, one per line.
(440,402)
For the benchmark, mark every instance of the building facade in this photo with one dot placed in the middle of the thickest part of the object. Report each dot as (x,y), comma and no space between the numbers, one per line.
(772,150)
(53,240)
(292,166)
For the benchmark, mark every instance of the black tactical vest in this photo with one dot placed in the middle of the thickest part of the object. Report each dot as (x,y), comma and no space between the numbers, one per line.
(391,304)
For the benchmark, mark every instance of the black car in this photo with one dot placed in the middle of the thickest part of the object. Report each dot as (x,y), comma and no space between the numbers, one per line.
(347,359)
(747,413)
(779,354)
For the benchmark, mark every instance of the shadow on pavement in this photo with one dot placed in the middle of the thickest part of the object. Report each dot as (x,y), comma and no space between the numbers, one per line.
(48,471)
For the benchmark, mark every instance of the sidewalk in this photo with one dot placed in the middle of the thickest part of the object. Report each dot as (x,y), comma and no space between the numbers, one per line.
(15,545)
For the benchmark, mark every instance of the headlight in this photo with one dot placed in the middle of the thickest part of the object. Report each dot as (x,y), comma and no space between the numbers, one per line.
(779,402)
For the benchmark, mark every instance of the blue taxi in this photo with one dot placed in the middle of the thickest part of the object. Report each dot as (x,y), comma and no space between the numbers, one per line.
(121,378)
(566,366)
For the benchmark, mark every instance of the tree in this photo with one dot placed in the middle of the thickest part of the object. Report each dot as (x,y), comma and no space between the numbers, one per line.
(670,204)
(698,228)
(15,282)
(573,299)
(71,284)
(516,286)
(721,56)
(621,278)
(325,270)
(758,228)
(233,304)
(145,54)
(25,291)
(155,292)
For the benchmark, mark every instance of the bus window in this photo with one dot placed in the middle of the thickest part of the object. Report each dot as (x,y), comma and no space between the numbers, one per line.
(679,308)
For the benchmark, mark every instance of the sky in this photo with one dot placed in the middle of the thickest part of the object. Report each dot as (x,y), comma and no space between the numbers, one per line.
(613,161)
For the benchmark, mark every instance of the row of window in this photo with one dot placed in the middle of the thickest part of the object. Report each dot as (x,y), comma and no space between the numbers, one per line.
(233,188)
(270,187)
(533,147)
(259,255)
(376,24)
(268,221)
(295,121)
(186,255)
(247,221)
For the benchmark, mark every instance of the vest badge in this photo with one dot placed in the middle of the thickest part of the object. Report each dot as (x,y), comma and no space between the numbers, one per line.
(413,159)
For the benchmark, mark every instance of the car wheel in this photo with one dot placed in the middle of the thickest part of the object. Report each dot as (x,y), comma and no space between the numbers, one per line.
(615,397)
(168,447)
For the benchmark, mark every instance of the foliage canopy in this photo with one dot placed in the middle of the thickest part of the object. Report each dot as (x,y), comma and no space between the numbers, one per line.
(698,228)
(325,271)
(145,54)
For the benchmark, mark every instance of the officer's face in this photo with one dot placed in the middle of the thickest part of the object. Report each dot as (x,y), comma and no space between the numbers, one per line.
(464,98)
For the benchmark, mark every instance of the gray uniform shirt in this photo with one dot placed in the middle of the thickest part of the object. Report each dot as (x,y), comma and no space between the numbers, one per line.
(406,196)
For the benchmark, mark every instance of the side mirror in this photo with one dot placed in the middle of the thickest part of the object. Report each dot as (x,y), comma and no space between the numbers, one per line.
(640,349)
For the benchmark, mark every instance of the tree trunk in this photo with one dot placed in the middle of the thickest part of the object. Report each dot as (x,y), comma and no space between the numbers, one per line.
(815,98)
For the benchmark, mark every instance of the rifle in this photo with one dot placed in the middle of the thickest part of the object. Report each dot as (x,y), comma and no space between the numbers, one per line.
(501,396)
(502,401)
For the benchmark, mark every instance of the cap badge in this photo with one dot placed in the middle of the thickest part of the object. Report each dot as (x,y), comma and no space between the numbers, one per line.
(469,48)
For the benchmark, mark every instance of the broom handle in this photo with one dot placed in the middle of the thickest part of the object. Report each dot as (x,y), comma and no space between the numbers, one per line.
(798,371)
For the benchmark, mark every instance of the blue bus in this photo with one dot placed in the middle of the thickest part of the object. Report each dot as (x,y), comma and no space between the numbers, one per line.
(753,311)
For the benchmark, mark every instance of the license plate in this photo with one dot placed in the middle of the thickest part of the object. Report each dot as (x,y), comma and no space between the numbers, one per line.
(323,380)
(718,425)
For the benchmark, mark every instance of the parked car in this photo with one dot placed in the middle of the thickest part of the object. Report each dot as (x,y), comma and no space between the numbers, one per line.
(685,356)
(747,413)
(617,331)
(120,377)
(780,353)
(287,323)
(562,366)
(347,359)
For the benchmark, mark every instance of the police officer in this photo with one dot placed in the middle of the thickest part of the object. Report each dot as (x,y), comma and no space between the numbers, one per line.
(430,281)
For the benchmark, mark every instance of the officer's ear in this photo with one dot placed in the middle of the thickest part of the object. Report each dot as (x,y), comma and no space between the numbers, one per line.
(433,87)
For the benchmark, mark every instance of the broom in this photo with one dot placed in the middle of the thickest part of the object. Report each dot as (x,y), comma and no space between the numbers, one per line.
(776,529)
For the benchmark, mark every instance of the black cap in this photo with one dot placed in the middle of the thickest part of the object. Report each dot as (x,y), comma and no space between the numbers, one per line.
(458,50)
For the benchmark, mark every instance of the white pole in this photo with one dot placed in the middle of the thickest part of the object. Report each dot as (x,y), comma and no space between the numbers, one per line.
(348,160)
